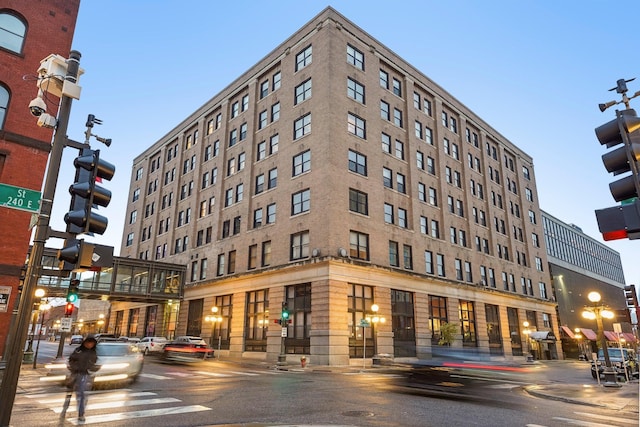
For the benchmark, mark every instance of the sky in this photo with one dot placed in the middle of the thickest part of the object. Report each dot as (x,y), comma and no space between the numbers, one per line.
(534,70)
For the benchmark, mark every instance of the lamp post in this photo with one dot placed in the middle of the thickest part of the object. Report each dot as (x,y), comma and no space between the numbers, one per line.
(28,354)
(598,312)
(578,336)
(375,319)
(100,322)
(43,310)
(214,318)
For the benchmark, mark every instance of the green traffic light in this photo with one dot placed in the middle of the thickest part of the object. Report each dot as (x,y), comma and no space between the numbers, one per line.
(285,314)
(72,298)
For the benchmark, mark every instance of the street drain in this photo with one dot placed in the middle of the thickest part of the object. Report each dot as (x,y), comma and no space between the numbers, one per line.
(358,414)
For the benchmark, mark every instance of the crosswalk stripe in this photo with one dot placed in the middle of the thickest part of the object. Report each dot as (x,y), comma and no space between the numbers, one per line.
(155,377)
(251,374)
(575,422)
(141,414)
(110,405)
(213,374)
(60,397)
(608,418)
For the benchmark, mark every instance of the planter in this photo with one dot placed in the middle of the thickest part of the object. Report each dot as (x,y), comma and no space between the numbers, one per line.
(303,362)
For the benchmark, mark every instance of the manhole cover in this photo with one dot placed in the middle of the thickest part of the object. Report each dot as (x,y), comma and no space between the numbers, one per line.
(358,414)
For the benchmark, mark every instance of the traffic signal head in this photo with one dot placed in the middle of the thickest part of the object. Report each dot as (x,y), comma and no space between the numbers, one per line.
(630,296)
(72,292)
(285,312)
(68,309)
(77,253)
(625,130)
(620,222)
(85,193)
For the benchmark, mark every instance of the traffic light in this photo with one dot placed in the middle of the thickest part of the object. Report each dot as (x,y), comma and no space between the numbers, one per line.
(623,315)
(620,222)
(72,292)
(77,253)
(630,296)
(68,309)
(86,194)
(284,314)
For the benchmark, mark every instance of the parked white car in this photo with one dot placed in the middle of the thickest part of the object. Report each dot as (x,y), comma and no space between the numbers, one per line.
(151,344)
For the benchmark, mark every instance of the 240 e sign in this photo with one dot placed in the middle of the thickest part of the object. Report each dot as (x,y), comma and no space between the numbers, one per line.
(19,198)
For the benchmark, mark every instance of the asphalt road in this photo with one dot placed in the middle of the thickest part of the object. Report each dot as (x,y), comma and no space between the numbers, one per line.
(227,392)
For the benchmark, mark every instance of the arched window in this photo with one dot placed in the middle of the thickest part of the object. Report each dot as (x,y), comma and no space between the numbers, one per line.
(12,32)
(4,104)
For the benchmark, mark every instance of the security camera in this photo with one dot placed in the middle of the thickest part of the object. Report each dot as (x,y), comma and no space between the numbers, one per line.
(37,107)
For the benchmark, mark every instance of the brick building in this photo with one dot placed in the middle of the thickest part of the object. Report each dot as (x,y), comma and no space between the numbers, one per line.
(336,178)
(29,32)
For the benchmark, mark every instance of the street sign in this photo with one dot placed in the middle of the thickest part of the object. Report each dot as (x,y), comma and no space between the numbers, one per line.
(283,333)
(65,324)
(364,323)
(19,198)
(5,293)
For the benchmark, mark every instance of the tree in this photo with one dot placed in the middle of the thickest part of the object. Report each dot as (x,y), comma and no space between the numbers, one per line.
(447,333)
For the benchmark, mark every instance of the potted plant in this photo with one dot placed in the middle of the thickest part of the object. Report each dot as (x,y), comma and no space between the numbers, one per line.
(303,361)
(447,333)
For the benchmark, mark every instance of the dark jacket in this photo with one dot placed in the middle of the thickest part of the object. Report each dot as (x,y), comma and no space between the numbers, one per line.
(83,359)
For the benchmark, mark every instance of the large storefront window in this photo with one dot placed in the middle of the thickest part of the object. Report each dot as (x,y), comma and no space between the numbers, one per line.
(194,319)
(360,299)
(437,316)
(222,326)
(468,323)
(150,319)
(299,304)
(257,321)
(514,331)
(493,329)
(403,324)
(132,327)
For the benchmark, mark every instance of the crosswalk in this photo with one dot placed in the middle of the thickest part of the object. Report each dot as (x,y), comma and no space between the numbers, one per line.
(593,419)
(117,402)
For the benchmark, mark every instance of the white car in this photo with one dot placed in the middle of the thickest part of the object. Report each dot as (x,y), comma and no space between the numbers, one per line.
(151,344)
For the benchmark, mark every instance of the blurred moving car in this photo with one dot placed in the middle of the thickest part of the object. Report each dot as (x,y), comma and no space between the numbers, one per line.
(105,337)
(186,349)
(118,362)
(151,344)
(76,339)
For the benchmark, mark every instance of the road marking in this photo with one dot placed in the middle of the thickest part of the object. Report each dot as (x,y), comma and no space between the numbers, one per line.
(608,418)
(155,377)
(213,374)
(51,398)
(251,374)
(122,404)
(179,374)
(140,414)
(581,423)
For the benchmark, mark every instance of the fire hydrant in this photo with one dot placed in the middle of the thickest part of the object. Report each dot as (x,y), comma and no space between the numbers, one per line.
(303,362)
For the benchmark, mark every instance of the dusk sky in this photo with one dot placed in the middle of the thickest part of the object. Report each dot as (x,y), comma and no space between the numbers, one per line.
(534,70)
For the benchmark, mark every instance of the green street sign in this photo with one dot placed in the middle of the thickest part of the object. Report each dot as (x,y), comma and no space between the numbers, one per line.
(19,198)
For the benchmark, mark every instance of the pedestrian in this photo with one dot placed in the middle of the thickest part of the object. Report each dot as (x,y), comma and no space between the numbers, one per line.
(82,364)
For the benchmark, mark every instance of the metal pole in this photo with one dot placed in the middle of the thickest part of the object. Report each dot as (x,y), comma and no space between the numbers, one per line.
(12,372)
(624,366)
(35,356)
(364,347)
(219,343)
(610,379)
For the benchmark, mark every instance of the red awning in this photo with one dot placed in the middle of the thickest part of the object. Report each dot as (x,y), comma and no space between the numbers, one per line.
(611,336)
(628,336)
(568,331)
(589,334)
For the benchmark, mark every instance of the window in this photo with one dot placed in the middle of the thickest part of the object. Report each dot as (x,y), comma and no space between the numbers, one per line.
(303,91)
(440,265)
(428,261)
(235,109)
(271,213)
(300,202)
(300,245)
(437,316)
(397,87)
(386,143)
(262,119)
(264,89)
(303,58)
(356,126)
(302,163)
(402,218)
(245,103)
(273,178)
(359,245)
(468,323)
(12,33)
(388,213)
(399,149)
(4,99)
(252,261)
(400,183)
(393,254)
(302,126)
(358,202)
(397,117)
(384,111)
(273,144)
(355,57)
(259,183)
(525,173)
(233,137)
(261,150)
(357,163)
(129,239)
(257,218)
(136,195)
(387,178)
(275,112)
(266,253)
(277,80)
(384,79)
(543,290)
(428,135)
(355,90)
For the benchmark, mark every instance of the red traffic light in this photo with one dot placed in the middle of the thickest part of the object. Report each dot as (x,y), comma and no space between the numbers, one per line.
(68,309)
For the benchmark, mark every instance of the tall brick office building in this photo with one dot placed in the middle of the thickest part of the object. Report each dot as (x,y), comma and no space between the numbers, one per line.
(334,176)
(29,32)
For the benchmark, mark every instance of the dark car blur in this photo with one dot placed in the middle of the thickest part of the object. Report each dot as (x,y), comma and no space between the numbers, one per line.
(186,349)
(76,339)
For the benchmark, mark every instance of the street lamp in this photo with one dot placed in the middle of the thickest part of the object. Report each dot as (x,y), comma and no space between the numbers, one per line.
(100,322)
(598,312)
(578,336)
(526,333)
(214,318)
(43,309)
(375,319)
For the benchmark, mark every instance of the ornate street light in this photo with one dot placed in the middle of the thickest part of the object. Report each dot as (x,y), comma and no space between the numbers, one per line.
(598,312)
(526,333)
(214,318)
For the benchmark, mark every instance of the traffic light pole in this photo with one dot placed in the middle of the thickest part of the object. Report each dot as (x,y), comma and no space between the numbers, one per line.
(42,233)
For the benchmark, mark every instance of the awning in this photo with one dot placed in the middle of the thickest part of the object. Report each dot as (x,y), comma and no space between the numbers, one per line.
(628,336)
(611,336)
(568,331)
(542,336)
(589,334)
